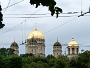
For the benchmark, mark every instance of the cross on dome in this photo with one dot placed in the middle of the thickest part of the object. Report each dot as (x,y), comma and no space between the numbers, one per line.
(35,26)
(57,39)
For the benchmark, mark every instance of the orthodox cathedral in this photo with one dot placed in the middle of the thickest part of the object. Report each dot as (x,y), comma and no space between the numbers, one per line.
(36,45)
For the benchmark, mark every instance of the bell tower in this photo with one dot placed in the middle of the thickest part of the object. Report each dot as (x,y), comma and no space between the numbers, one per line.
(57,49)
(73,49)
(15,46)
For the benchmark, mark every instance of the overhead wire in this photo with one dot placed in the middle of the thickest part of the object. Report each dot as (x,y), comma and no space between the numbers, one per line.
(33,14)
(20,23)
(25,31)
(45,32)
(64,45)
(27,14)
(40,16)
(22,32)
(81,9)
(61,25)
(44,16)
(13,4)
(45,13)
(7,5)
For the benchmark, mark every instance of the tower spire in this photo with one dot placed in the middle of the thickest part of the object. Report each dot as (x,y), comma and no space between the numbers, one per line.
(14,39)
(72,37)
(35,26)
(57,39)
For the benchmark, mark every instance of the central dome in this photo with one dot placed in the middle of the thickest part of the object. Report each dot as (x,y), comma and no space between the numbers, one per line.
(36,34)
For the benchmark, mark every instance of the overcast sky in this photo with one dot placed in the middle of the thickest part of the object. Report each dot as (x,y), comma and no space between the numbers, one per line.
(68,26)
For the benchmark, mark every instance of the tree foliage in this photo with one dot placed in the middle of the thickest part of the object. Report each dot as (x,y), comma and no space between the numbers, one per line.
(6,51)
(51,4)
(31,61)
(1,18)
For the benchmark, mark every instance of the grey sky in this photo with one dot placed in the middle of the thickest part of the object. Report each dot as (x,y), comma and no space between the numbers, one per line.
(79,27)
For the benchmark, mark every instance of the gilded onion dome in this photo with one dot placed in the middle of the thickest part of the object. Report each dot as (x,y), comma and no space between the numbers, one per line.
(72,43)
(36,34)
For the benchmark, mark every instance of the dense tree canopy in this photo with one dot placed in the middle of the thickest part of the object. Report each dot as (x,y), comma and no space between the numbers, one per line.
(51,4)
(1,18)
(31,61)
(6,51)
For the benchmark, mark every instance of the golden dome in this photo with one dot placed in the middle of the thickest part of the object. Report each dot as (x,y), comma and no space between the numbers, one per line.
(36,34)
(72,43)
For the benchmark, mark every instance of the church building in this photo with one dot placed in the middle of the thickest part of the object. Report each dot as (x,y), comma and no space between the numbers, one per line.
(73,49)
(36,45)
(57,49)
(15,46)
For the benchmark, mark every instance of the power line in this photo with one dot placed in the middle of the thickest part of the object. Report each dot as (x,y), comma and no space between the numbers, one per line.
(27,14)
(49,30)
(44,13)
(7,5)
(45,16)
(22,17)
(82,45)
(56,27)
(61,25)
(13,4)
(20,23)
(45,32)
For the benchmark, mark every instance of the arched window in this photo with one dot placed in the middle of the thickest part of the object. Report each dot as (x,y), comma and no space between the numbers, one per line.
(68,50)
(32,50)
(77,50)
(73,50)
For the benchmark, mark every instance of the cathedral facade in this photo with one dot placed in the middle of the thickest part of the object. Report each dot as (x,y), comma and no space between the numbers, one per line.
(36,46)
(35,43)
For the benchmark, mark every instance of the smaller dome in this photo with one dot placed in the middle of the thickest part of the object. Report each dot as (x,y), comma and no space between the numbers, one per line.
(72,43)
(14,44)
(57,43)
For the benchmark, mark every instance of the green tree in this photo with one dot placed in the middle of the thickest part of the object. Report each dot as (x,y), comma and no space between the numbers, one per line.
(1,62)
(41,64)
(62,62)
(6,62)
(51,4)
(26,55)
(15,61)
(6,51)
(10,51)
(3,51)
(51,61)
(73,63)
(1,18)
(83,60)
